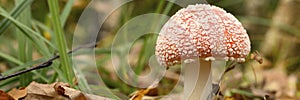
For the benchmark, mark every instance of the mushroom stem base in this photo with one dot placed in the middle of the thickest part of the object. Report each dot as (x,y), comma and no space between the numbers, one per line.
(197,81)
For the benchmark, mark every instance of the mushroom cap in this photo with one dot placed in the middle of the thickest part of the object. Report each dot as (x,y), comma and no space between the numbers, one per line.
(203,31)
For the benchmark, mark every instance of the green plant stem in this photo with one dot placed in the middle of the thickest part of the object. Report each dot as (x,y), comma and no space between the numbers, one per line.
(60,41)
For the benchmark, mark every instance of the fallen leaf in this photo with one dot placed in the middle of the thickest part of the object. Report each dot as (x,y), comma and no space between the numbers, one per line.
(18,93)
(31,96)
(73,94)
(46,91)
(69,92)
(4,96)
(57,87)
(42,89)
(95,97)
(54,91)
(138,95)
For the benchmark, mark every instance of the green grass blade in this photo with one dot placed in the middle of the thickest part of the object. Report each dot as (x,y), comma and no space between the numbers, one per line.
(60,41)
(35,37)
(17,68)
(168,7)
(53,77)
(40,76)
(98,51)
(25,48)
(10,58)
(24,28)
(149,41)
(66,11)
(15,12)
(83,84)
(242,92)
(22,66)
(8,82)
(42,26)
(31,64)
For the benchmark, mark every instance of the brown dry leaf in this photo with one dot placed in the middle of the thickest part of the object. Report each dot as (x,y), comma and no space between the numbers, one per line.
(95,97)
(4,96)
(18,93)
(41,89)
(31,96)
(54,91)
(36,91)
(229,98)
(65,90)
(58,87)
(138,95)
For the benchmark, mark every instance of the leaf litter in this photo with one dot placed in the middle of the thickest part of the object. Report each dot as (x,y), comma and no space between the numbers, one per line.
(54,91)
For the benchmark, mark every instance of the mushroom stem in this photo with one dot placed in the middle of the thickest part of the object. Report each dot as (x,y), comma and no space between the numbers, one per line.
(197,82)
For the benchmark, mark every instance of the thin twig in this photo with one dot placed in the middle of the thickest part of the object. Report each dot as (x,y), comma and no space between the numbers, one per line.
(46,63)
(216,87)
(255,78)
(231,67)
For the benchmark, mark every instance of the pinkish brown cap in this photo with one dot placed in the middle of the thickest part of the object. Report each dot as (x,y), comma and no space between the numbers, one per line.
(203,31)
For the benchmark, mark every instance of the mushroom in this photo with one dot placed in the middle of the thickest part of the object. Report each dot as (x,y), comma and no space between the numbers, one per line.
(205,32)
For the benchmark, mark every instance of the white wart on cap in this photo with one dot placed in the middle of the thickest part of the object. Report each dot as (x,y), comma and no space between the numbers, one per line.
(203,31)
